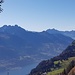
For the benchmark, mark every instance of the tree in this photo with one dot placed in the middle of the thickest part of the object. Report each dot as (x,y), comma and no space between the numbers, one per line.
(1,1)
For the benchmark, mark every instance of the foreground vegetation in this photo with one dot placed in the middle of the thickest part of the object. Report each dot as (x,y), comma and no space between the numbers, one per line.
(63,65)
(59,65)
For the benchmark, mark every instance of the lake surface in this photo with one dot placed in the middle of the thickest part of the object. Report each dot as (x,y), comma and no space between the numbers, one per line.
(26,70)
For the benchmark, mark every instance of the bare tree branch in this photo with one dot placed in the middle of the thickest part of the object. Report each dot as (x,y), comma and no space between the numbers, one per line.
(1,1)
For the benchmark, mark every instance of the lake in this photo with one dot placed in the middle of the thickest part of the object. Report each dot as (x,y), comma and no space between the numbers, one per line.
(24,71)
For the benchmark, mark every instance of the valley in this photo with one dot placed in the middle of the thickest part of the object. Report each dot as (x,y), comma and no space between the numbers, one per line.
(19,47)
(37,37)
(59,65)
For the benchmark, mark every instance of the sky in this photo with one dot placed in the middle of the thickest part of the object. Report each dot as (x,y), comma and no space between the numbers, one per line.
(39,15)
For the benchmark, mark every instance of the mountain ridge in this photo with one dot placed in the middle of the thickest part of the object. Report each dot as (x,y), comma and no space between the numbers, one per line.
(66,33)
(27,47)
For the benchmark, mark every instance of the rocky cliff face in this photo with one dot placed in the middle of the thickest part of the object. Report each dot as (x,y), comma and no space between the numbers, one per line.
(72,71)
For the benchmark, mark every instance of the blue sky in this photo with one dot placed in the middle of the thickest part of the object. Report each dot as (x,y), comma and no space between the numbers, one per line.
(39,15)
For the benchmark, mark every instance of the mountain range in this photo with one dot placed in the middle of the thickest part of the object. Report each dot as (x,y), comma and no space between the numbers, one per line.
(66,33)
(19,47)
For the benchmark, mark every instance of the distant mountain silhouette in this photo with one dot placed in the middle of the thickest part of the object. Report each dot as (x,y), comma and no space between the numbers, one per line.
(24,47)
(67,33)
(53,31)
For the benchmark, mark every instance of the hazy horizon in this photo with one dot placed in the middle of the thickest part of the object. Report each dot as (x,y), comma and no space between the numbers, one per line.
(39,15)
(39,31)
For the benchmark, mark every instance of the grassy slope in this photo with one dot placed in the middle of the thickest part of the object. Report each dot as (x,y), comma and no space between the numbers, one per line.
(63,65)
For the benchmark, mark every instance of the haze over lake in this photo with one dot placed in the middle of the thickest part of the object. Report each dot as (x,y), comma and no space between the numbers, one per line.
(24,71)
